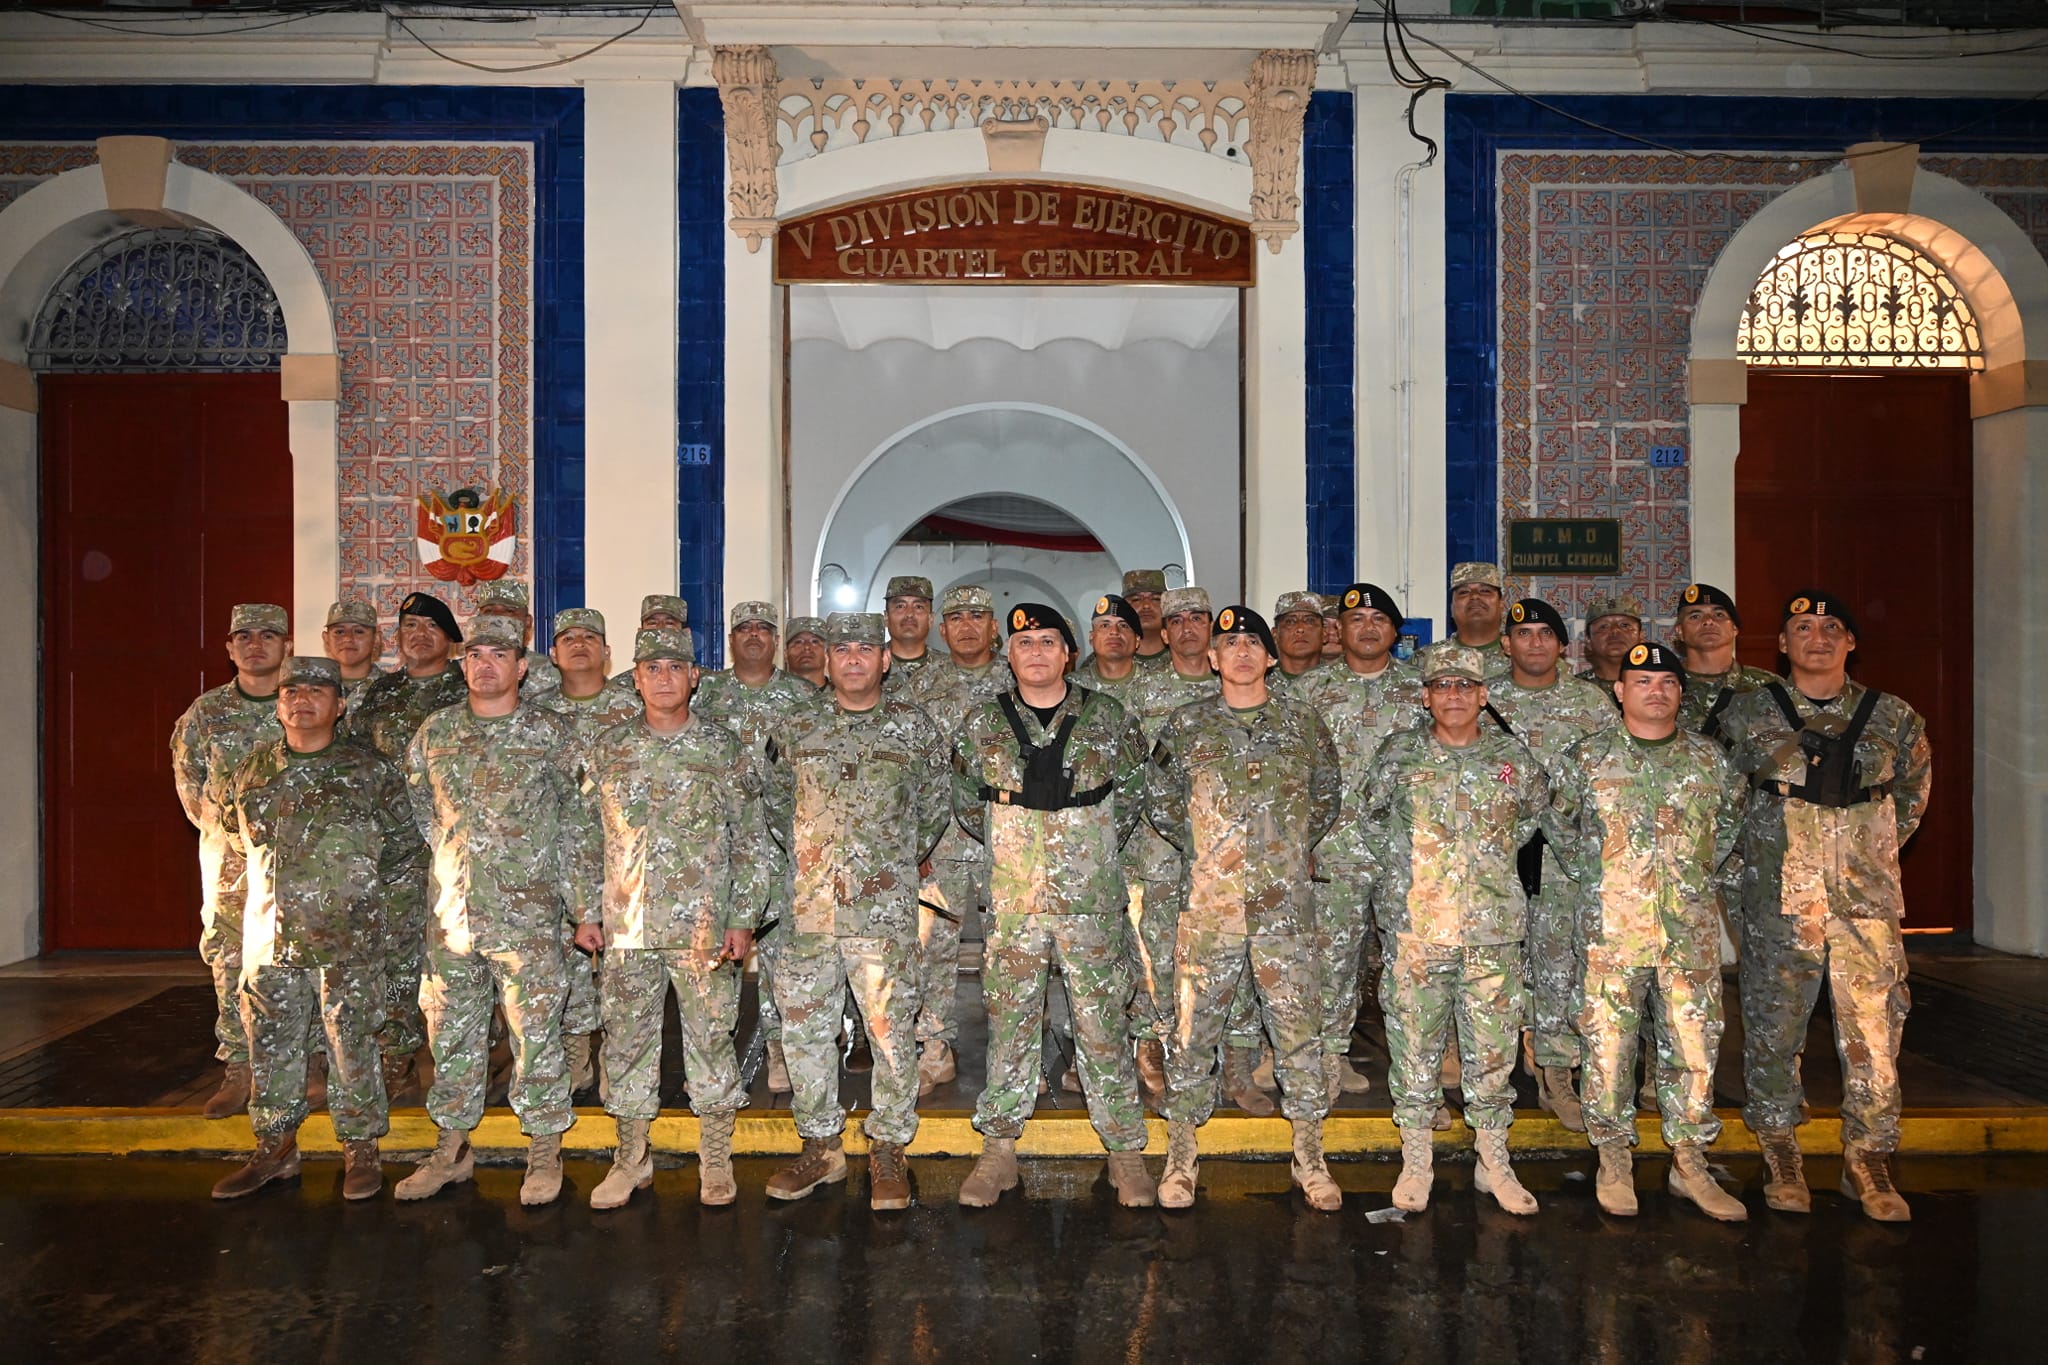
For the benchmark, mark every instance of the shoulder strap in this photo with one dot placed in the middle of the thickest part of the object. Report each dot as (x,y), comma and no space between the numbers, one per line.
(1861,720)
(1711,726)
(1500,720)
(1785,706)
(1009,706)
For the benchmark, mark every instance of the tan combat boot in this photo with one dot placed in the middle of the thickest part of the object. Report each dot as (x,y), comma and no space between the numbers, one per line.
(1441,1120)
(632,1167)
(362,1169)
(1350,1078)
(1690,1179)
(1867,1177)
(1244,1091)
(275,1158)
(1615,1186)
(233,1096)
(1262,1074)
(1333,1080)
(1495,1176)
(1784,1171)
(995,1172)
(543,1183)
(1134,1186)
(778,1069)
(1450,1072)
(580,1060)
(935,1067)
(822,1162)
(1310,1171)
(1418,1170)
(888,1177)
(1554,1092)
(451,1163)
(401,1077)
(716,1186)
(1177,1185)
(1152,1068)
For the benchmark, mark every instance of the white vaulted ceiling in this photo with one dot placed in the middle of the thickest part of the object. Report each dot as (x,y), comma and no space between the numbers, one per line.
(1023,316)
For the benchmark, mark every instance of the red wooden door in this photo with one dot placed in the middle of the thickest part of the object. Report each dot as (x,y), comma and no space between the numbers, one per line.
(1860,484)
(166,500)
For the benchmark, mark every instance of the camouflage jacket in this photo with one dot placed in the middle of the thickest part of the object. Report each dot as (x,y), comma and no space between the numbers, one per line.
(589,717)
(217,732)
(1702,690)
(1160,692)
(903,672)
(754,713)
(541,675)
(352,692)
(1644,828)
(947,692)
(325,848)
(1120,688)
(1043,861)
(1792,849)
(393,707)
(1552,719)
(1361,712)
(863,797)
(514,847)
(1149,662)
(684,839)
(1246,796)
(1443,826)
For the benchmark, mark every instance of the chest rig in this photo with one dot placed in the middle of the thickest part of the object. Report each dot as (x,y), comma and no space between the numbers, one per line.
(1833,777)
(1048,780)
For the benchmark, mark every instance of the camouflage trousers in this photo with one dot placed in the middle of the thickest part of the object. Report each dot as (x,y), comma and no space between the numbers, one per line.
(954,891)
(1208,967)
(1683,1007)
(1427,990)
(1343,908)
(1783,960)
(636,982)
(456,993)
(1016,961)
(768,944)
(220,948)
(345,1002)
(812,977)
(404,1030)
(1553,969)
(583,1007)
(1148,955)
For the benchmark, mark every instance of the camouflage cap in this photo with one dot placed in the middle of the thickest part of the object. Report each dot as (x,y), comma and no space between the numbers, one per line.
(1177,600)
(352,611)
(755,611)
(503,594)
(486,628)
(664,642)
(1331,611)
(856,628)
(1649,657)
(259,616)
(1472,571)
(1707,595)
(310,670)
(1138,581)
(1448,659)
(903,585)
(806,625)
(579,618)
(967,597)
(657,602)
(1297,601)
(1614,605)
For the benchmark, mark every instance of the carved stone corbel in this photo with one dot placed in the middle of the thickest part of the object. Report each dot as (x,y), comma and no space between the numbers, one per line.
(1280,87)
(746,90)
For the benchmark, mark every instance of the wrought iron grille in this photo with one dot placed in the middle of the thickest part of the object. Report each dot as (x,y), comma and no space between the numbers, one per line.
(1858,299)
(160,300)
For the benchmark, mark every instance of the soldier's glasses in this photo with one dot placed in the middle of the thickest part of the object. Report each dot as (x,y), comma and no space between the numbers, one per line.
(1453,685)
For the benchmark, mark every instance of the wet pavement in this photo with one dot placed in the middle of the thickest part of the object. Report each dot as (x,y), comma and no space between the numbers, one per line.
(130,1260)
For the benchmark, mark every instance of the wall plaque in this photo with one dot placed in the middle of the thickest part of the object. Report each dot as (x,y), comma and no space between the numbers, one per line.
(1561,545)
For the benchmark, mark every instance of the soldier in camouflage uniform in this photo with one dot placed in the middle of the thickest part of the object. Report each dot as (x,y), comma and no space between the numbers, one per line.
(907,604)
(1298,631)
(1705,633)
(1145,590)
(1840,774)
(803,653)
(1445,807)
(863,791)
(354,641)
(1363,698)
(1112,665)
(1549,710)
(678,798)
(508,597)
(1478,607)
(1245,785)
(321,836)
(495,789)
(389,714)
(957,884)
(1645,814)
(1614,626)
(1333,637)
(220,729)
(658,611)
(1051,778)
(753,698)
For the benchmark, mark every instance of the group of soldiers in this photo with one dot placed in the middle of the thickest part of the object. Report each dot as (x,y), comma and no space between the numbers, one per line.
(1222,839)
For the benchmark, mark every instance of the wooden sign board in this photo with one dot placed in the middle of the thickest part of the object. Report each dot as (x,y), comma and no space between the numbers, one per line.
(1562,545)
(1013,232)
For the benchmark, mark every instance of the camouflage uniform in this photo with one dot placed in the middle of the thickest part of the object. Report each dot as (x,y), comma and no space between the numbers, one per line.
(683,863)
(1443,826)
(1821,896)
(352,690)
(1121,688)
(863,796)
(1703,690)
(1152,866)
(1550,720)
(325,844)
(497,798)
(1245,795)
(1644,825)
(1057,895)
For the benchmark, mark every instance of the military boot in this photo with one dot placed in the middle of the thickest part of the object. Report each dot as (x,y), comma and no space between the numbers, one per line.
(822,1162)
(1690,1179)
(632,1167)
(1867,1177)
(935,1067)
(1418,1170)
(1310,1171)
(860,1058)
(580,1061)
(778,1069)
(543,1183)
(275,1158)
(1333,1080)
(888,1177)
(233,1096)
(1440,1121)
(1554,1092)
(1646,1093)
(1615,1187)
(1450,1071)
(716,1186)
(1784,1171)
(316,1082)
(1238,1083)
(1071,1081)
(1177,1186)
(451,1163)
(995,1172)
(1262,1074)
(401,1076)
(1350,1078)
(1134,1186)
(1152,1068)
(362,1169)
(1495,1176)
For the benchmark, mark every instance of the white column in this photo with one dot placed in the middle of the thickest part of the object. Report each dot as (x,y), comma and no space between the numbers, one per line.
(316,516)
(21,926)
(1716,444)
(754,510)
(1276,427)
(629,285)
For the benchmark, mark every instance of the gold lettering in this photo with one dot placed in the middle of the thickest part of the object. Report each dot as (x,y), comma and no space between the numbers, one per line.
(1026,207)
(927,262)
(849,262)
(1120,218)
(924,215)
(1141,221)
(844,232)
(803,235)
(1228,240)
(1034,263)
(1086,207)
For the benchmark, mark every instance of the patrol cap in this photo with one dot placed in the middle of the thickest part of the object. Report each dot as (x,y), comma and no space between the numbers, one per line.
(656,602)
(902,585)
(856,628)
(1038,616)
(1297,601)
(1177,600)
(1138,581)
(1816,602)
(755,611)
(580,618)
(1534,611)
(1449,659)
(433,609)
(1110,607)
(259,616)
(1370,597)
(664,642)
(1330,609)
(486,628)
(1707,595)
(1649,657)
(310,670)
(352,611)
(1472,571)
(967,597)
(1621,604)
(503,594)
(1242,620)
(813,626)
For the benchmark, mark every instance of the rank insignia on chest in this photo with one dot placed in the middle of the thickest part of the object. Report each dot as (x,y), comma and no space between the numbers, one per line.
(1252,769)
(848,772)
(1507,772)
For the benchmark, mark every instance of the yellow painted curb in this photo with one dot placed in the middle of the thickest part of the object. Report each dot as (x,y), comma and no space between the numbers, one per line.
(141,1132)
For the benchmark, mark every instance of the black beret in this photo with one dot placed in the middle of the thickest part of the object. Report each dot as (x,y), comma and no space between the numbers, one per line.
(1242,620)
(1109,604)
(1707,595)
(1534,611)
(1815,602)
(1038,616)
(434,609)
(1360,596)
(1653,658)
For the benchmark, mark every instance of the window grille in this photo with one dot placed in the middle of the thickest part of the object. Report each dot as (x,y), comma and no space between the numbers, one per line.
(160,300)
(1858,299)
